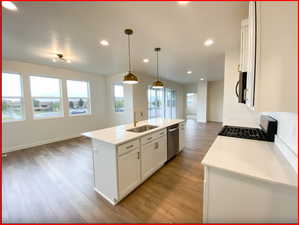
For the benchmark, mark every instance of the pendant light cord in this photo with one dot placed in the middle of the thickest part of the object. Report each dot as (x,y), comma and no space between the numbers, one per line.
(157,65)
(129,53)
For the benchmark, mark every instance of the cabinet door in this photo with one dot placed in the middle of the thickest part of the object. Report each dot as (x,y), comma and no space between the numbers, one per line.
(153,155)
(182,138)
(251,61)
(128,172)
(244,46)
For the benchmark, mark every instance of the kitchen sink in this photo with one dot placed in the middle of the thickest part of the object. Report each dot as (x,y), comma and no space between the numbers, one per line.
(142,128)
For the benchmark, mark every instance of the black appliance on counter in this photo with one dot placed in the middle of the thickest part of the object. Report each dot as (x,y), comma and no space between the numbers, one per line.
(240,88)
(265,133)
(172,141)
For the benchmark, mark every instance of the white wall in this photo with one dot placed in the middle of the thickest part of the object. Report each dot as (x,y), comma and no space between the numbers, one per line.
(215,101)
(190,88)
(235,113)
(22,134)
(202,92)
(118,118)
(287,135)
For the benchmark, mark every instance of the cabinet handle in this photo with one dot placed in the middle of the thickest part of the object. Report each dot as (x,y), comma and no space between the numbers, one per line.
(161,133)
(156,145)
(130,146)
(149,138)
(138,155)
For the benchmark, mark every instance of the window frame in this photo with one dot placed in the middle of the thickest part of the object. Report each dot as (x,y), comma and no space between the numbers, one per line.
(113,94)
(88,94)
(22,98)
(60,98)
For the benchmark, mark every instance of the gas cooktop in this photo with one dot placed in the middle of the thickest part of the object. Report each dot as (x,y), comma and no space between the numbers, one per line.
(267,131)
(243,132)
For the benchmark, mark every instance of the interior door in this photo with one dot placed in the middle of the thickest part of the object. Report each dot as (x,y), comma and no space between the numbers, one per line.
(128,172)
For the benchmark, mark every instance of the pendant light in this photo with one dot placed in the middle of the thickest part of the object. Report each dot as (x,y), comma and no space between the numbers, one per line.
(158,84)
(130,78)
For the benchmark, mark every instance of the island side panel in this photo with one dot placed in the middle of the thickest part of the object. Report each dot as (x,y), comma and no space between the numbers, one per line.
(234,198)
(105,170)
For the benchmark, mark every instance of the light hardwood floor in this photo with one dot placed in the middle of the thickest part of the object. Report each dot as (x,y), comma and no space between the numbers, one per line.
(53,183)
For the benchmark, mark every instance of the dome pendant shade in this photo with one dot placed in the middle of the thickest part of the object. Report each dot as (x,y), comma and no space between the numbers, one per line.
(130,78)
(158,84)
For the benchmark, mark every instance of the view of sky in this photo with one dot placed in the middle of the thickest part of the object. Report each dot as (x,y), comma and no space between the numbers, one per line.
(44,87)
(118,91)
(11,85)
(77,89)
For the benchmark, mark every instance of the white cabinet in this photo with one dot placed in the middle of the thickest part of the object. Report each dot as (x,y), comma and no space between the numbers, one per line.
(182,136)
(251,60)
(244,46)
(119,169)
(128,171)
(153,156)
(234,198)
(272,57)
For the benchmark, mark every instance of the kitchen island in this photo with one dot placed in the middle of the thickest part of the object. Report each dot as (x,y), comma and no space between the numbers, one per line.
(124,157)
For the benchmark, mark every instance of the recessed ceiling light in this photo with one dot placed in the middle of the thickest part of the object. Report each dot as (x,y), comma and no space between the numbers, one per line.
(202,79)
(68,61)
(189,72)
(208,42)
(9,5)
(183,2)
(145,60)
(104,43)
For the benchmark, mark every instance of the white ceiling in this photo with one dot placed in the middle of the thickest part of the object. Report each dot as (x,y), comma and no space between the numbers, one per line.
(39,30)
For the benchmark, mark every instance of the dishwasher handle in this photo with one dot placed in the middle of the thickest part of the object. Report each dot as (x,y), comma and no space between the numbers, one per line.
(172,130)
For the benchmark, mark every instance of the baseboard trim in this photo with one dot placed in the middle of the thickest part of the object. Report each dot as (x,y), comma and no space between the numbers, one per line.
(287,152)
(43,142)
(105,197)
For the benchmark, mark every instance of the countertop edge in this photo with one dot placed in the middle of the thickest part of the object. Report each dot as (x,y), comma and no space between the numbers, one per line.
(250,176)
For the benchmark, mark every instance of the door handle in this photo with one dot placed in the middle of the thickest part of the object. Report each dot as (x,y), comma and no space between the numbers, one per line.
(236,88)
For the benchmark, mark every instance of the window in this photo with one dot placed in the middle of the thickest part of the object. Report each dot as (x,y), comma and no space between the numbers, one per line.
(78,97)
(155,103)
(190,97)
(46,97)
(12,97)
(119,100)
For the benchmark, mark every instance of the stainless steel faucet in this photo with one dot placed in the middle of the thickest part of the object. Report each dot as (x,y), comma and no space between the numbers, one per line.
(135,119)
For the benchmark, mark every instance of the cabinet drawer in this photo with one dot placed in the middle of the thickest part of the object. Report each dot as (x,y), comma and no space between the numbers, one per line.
(124,148)
(148,138)
(161,133)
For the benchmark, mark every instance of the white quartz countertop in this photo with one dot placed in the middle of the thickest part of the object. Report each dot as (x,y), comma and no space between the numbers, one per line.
(257,159)
(119,134)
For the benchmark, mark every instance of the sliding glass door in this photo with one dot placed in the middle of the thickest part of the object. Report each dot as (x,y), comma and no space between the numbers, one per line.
(161,103)
(155,103)
(170,103)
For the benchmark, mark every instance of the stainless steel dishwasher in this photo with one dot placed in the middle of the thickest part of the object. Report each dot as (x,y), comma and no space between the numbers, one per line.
(172,141)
